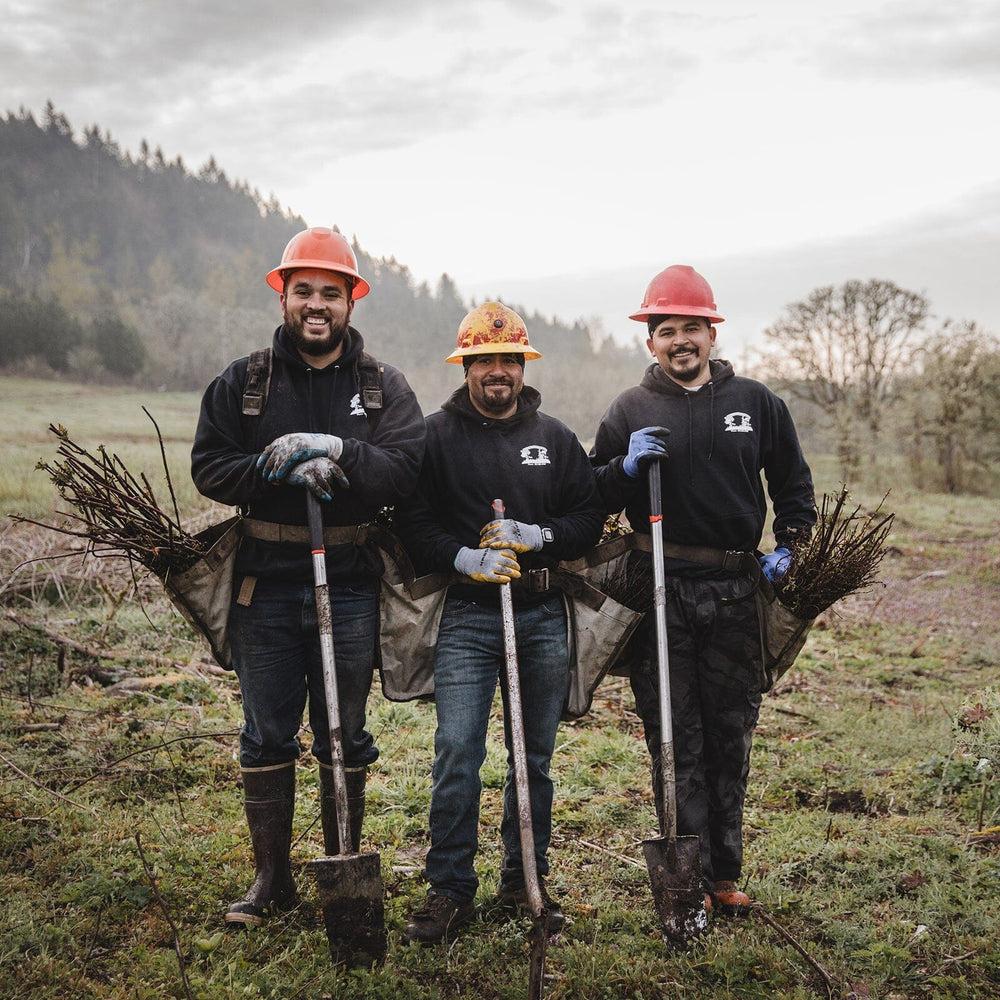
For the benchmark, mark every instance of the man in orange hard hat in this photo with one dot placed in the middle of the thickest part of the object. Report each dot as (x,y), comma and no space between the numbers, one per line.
(721,431)
(489,440)
(312,412)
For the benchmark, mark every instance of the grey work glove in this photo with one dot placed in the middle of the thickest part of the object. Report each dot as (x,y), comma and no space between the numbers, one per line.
(488,565)
(284,453)
(514,535)
(319,476)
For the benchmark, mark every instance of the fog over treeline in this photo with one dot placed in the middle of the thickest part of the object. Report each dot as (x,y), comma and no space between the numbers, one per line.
(129,265)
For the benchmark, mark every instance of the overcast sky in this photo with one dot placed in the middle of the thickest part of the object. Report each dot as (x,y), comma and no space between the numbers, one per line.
(562,153)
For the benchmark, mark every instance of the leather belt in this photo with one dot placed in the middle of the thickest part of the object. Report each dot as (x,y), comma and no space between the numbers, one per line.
(298,534)
(730,560)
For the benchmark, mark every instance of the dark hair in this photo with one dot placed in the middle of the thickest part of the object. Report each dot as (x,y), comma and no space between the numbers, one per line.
(654,321)
(285,275)
(469,358)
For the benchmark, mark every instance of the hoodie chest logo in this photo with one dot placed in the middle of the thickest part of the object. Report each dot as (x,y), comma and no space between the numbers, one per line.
(357,410)
(535,454)
(738,423)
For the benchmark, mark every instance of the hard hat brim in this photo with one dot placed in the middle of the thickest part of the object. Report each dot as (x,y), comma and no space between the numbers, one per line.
(676,309)
(275,278)
(530,354)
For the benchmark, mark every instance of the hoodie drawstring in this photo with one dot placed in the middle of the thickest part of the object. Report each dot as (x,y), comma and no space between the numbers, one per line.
(690,440)
(711,419)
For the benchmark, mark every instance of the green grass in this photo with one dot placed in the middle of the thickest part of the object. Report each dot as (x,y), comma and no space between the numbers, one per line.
(858,817)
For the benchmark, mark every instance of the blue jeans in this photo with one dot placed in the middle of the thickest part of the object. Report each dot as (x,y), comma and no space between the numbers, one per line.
(276,655)
(468,663)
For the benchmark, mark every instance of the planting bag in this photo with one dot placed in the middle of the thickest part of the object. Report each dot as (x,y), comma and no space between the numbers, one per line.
(782,634)
(204,592)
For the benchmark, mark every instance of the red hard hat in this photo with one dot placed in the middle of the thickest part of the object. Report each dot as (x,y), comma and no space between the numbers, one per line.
(678,291)
(321,248)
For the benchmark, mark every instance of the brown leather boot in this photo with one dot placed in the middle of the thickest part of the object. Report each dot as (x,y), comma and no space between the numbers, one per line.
(269,799)
(731,902)
(356,779)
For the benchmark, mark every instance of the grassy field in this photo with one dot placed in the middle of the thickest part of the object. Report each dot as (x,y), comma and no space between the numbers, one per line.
(860,821)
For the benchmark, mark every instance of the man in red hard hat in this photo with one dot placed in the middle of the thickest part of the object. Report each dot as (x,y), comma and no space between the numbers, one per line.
(312,412)
(714,433)
(489,440)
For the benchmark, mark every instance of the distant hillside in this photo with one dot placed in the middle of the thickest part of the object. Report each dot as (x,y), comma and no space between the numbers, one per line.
(180,255)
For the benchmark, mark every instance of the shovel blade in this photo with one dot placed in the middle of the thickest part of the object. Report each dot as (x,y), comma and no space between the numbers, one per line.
(675,878)
(351,893)
(539,946)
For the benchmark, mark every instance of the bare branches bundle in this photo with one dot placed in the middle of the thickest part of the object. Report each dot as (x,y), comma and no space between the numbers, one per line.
(115,511)
(841,556)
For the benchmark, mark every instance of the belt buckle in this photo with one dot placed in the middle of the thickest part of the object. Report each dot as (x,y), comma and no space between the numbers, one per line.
(538,580)
(732,561)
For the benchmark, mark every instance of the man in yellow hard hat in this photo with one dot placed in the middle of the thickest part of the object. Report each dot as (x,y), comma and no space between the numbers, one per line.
(490,440)
(312,412)
(721,431)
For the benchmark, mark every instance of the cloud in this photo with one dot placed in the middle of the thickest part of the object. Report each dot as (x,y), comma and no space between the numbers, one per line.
(960,40)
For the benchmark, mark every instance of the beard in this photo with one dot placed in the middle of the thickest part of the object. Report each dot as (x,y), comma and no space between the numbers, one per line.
(686,374)
(310,344)
(496,402)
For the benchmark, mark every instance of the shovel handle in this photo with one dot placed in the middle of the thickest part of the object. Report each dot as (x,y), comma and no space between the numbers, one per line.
(516,717)
(667,776)
(324,617)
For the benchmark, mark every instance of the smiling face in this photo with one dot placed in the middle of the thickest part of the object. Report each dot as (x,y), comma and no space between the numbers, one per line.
(682,345)
(317,308)
(495,381)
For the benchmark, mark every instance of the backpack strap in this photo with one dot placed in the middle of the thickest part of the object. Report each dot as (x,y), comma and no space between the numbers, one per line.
(258,382)
(369,376)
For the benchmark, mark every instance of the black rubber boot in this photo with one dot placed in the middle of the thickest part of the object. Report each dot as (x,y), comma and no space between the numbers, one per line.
(356,778)
(269,794)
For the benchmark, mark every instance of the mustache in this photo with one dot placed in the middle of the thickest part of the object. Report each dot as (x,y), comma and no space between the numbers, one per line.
(499,381)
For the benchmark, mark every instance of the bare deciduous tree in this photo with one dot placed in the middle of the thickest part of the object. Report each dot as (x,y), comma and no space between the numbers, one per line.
(843,348)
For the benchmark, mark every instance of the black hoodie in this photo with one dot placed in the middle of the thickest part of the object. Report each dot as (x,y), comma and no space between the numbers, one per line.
(721,438)
(531,461)
(381,464)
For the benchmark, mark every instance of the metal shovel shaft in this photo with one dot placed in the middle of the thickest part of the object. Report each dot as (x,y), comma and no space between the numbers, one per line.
(350,884)
(324,617)
(667,775)
(516,715)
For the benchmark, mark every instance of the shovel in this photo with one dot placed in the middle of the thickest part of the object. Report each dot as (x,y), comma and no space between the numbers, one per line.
(349,885)
(674,863)
(540,930)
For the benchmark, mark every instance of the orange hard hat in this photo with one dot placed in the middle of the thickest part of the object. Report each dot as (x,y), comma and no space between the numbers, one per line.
(678,291)
(492,328)
(321,248)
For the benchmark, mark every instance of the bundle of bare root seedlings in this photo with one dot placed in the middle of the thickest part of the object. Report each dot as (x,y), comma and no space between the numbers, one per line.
(115,511)
(839,557)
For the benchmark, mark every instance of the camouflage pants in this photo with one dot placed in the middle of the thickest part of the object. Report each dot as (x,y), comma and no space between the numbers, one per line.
(715,687)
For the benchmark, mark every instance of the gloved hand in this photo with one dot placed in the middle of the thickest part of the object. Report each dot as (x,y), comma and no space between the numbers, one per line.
(775,565)
(283,453)
(514,535)
(643,445)
(319,475)
(488,565)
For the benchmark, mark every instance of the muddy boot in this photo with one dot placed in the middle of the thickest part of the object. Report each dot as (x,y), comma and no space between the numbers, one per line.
(356,777)
(730,901)
(439,919)
(513,902)
(269,794)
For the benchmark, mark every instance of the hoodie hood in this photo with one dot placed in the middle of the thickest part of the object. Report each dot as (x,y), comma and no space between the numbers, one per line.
(527,404)
(659,381)
(284,348)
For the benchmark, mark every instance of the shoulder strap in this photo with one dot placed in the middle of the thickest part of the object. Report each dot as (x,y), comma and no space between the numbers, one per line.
(258,382)
(369,373)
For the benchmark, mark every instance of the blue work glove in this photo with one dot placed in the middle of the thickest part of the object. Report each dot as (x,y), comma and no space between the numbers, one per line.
(643,445)
(319,475)
(514,535)
(775,565)
(488,565)
(284,453)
